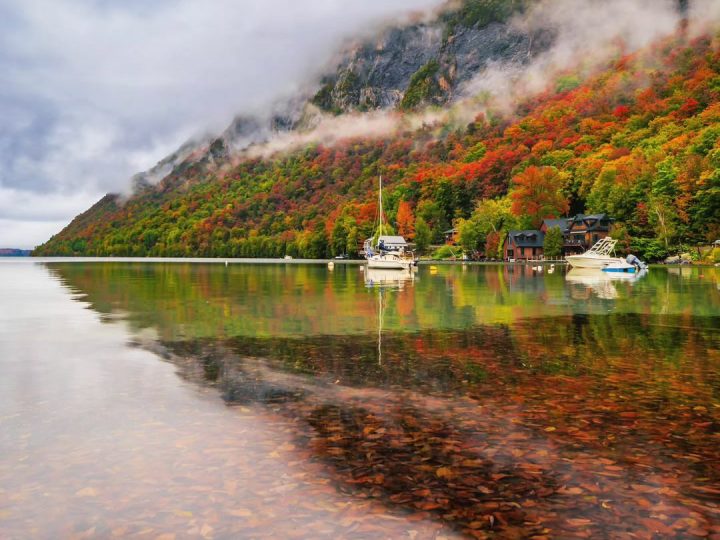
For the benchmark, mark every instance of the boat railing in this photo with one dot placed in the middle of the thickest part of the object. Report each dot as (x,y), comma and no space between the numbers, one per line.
(603,247)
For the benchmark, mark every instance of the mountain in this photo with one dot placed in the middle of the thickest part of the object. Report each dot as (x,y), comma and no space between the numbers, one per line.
(637,138)
(424,64)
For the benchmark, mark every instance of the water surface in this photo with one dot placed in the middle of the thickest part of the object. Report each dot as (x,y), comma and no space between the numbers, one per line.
(201,400)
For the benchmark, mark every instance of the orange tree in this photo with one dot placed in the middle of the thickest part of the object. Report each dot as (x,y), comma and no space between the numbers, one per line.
(537,194)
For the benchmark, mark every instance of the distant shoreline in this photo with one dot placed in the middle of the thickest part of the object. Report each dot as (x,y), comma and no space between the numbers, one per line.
(336,262)
(15,252)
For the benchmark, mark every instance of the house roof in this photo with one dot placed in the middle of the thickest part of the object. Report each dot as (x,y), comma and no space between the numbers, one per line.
(563,223)
(527,238)
(597,220)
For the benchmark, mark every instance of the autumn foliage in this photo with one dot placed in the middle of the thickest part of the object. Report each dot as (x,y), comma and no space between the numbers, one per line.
(638,141)
(537,194)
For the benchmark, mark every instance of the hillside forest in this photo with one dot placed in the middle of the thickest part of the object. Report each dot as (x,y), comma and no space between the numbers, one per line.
(639,140)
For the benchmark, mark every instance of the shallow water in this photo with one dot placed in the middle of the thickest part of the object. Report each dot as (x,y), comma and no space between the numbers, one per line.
(161,400)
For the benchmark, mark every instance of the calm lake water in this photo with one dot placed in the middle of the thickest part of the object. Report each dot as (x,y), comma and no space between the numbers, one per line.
(178,400)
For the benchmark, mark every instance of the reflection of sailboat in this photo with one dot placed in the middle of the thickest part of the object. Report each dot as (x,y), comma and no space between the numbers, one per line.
(388,278)
(389,252)
(384,279)
(381,307)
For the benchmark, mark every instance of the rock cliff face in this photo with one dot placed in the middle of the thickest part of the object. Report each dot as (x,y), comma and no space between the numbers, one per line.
(423,64)
(404,67)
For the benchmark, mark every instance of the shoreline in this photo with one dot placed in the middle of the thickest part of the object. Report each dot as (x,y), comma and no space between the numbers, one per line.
(259,261)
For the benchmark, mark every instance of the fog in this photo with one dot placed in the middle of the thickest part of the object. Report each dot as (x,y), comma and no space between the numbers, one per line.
(93,91)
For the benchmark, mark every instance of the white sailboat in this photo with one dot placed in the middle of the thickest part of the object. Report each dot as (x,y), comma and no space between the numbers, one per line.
(390,252)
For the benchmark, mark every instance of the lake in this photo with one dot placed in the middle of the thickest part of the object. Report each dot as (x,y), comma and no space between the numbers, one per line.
(167,400)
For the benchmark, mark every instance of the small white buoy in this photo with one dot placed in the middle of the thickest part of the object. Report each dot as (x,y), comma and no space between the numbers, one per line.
(331,265)
(226,263)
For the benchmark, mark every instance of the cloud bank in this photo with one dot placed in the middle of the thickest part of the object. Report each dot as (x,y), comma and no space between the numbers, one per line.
(93,91)
(586,35)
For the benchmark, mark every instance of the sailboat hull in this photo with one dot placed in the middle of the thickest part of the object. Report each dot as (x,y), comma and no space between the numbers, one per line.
(390,262)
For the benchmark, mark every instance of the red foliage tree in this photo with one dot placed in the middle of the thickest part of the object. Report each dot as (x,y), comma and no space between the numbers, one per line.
(537,194)
(405,220)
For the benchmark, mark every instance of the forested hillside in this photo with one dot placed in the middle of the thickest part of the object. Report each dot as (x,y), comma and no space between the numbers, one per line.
(639,140)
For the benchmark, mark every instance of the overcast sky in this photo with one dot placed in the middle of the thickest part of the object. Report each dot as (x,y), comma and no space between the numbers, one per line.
(93,91)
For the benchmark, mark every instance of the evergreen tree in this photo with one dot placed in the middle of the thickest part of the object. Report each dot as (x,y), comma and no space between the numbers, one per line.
(553,243)
(422,235)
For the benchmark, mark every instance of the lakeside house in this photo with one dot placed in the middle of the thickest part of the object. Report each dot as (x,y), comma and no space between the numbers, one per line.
(579,234)
(452,237)
(524,245)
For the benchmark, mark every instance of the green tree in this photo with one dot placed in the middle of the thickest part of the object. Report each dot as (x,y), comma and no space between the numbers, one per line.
(553,243)
(470,235)
(353,240)
(338,242)
(422,235)
(664,218)
(434,216)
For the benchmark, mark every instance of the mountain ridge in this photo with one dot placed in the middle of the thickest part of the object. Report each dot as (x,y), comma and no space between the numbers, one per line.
(317,200)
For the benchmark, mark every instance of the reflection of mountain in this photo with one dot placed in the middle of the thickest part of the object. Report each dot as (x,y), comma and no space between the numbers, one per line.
(532,422)
(195,301)
(492,417)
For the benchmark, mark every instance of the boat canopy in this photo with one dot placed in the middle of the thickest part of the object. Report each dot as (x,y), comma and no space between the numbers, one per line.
(392,242)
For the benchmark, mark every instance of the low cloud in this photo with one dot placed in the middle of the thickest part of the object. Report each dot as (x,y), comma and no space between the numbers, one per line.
(92,91)
(586,35)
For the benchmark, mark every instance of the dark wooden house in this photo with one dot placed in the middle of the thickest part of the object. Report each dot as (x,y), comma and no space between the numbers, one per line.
(585,231)
(580,233)
(524,245)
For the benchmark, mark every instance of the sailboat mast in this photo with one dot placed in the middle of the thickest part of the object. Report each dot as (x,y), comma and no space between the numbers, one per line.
(380,227)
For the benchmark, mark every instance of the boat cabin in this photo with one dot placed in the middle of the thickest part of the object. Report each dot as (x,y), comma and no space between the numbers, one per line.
(392,243)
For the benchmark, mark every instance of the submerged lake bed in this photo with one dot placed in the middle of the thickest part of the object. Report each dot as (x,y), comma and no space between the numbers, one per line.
(194,400)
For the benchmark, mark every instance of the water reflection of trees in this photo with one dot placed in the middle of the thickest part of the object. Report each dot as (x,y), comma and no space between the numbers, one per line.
(586,423)
(482,428)
(195,301)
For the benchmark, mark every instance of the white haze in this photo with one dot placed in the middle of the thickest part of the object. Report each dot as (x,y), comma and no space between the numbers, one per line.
(93,91)
(588,33)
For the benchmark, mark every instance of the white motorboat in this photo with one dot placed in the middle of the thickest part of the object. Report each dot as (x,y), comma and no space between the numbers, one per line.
(598,256)
(387,252)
